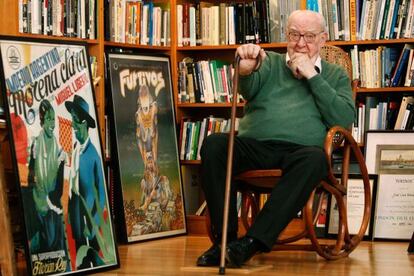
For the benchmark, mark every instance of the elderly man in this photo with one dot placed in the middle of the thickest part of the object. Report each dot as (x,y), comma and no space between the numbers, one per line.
(292,99)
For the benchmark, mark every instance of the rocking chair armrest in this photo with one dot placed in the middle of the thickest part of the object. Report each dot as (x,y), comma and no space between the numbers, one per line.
(335,136)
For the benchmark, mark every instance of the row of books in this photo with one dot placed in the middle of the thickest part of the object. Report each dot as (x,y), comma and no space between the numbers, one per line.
(386,19)
(405,118)
(366,19)
(137,22)
(205,81)
(378,114)
(255,21)
(383,66)
(192,134)
(72,18)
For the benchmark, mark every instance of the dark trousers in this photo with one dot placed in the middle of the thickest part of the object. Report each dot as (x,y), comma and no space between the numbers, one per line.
(303,168)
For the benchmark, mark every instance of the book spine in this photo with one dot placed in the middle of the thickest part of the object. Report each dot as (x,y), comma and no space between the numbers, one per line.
(394,19)
(185,25)
(402,15)
(401,65)
(385,18)
(222,24)
(406,33)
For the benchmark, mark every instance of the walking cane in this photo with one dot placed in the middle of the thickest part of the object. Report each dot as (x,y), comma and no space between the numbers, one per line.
(222,269)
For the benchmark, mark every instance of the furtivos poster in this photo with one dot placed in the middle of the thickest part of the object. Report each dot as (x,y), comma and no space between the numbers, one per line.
(146,157)
(56,150)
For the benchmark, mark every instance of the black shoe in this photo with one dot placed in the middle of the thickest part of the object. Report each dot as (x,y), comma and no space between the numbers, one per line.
(211,257)
(240,251)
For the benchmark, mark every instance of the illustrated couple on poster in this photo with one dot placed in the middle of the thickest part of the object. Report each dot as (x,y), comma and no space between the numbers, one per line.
(87,242)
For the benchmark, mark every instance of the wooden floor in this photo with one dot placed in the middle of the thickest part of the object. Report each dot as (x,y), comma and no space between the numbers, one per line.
(170,256)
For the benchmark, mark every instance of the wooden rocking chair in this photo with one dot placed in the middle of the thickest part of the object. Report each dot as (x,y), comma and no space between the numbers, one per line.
(262,181)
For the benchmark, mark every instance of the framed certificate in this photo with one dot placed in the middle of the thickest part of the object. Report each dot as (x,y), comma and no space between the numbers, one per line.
(355,207)
(394,217)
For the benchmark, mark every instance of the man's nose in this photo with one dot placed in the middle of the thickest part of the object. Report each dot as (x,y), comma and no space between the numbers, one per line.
(301,41)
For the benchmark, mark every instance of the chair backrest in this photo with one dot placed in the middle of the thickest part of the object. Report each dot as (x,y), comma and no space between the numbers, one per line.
(336,55)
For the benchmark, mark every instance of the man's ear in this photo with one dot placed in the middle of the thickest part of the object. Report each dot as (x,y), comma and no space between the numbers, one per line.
(324,38)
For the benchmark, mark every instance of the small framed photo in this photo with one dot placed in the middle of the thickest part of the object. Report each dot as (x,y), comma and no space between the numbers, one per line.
(374,138)
(355,207)
(57,156)
(394,216)
(395,159)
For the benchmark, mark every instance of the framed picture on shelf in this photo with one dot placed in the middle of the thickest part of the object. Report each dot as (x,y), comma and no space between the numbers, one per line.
(145,153)
(57,155)
(355,207)
(394,217)
(375,138)
(395,159)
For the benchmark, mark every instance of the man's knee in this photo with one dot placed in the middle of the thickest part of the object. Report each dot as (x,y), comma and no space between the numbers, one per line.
(311,157)
(317,159)
(317,154)
(214,144)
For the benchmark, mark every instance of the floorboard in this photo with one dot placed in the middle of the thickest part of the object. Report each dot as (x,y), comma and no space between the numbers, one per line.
(169,257)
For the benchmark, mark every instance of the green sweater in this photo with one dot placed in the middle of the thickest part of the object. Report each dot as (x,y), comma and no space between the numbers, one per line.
(281,107)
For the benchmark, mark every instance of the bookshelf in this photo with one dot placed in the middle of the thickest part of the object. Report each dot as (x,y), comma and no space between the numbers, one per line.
(9,25)
(198,111)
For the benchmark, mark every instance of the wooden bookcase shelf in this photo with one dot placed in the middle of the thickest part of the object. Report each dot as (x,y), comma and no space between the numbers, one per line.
(190,162)
(137,46)
(283,45)
(198,111)
(386,90)
(371,42)
(90,42)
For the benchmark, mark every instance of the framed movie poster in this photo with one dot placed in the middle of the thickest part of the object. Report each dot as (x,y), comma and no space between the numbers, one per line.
(146,158)
(56,148)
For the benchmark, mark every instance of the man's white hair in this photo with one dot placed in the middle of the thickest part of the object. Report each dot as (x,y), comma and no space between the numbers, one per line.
(317,16)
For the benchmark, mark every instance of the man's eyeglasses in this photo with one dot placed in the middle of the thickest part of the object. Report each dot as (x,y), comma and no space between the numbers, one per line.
(308,37)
